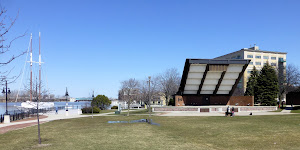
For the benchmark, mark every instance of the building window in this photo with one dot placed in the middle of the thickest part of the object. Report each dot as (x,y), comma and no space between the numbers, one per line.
(280,59)
(249,56)
(266,57)
(258,57)
(265,63)
(251,63)
(249,71)
(257,63)
(273,64)
(273,58)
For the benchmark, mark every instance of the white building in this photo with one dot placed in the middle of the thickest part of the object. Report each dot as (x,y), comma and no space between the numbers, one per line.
(258,59)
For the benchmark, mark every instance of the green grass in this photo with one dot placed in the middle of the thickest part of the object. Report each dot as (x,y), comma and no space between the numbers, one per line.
(136,111)
(295,111)
(247,132)
(102,111)
(278,110)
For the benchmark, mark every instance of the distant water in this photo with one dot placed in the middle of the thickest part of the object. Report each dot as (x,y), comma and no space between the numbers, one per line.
(11,107)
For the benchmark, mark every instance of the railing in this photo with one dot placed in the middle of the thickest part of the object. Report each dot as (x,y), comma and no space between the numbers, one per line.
(19,115)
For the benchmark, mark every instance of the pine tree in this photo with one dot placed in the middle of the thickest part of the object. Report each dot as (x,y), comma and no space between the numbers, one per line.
(251,89)
(267,84)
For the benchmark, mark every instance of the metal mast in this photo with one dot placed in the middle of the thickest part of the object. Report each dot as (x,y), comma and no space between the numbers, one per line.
(40,65)
(31,67)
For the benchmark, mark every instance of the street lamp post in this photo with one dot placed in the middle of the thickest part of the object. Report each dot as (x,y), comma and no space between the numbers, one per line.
(6,91)
(67,94)
(149,99)
(92,105)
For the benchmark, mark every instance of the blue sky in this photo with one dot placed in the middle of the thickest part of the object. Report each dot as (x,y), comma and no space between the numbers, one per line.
(94,45)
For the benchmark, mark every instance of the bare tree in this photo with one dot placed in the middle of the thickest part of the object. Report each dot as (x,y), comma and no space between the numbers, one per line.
(292,77)
(169,83)
(148,88)
(289,79)
(44,92)
(6,54)
(129,91)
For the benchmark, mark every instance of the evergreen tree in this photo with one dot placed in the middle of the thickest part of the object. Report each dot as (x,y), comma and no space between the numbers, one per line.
(101,101)
(251,89)
(267,85)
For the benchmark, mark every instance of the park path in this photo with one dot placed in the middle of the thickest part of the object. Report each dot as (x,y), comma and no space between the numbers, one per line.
(50,116)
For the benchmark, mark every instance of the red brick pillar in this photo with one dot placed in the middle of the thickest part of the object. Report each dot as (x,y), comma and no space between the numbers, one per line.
(179,100)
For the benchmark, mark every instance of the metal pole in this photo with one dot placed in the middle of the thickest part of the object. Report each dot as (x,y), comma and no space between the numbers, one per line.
(38,118)
(40,64)
(92,105)
(31,68)
(67,94)
(67,103)
(149,98)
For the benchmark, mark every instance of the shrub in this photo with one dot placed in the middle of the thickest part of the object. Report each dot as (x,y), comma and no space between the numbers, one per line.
(114,107)
(89,110)
(172,102)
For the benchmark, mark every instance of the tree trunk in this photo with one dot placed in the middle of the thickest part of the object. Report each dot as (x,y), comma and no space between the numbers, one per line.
(167,100)
(128,108)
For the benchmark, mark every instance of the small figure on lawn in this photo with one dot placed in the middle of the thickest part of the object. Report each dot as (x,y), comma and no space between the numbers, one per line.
(227,111)
(56,110)
(232,111)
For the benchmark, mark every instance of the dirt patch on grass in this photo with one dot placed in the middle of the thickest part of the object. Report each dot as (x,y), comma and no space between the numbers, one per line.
(41,145)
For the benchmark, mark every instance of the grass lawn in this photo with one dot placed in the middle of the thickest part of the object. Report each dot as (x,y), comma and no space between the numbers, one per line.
(278,110)
(103,111)
(295,111)
(248,132)
(135,111)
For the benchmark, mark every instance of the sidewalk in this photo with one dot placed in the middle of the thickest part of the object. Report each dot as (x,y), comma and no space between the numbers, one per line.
(73,113)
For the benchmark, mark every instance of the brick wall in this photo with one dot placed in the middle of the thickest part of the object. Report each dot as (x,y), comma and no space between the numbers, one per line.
(293,98)
(200,100)
(175,109)
(241,100)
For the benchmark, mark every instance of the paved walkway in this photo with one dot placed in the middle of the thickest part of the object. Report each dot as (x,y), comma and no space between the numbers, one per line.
(72,113)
